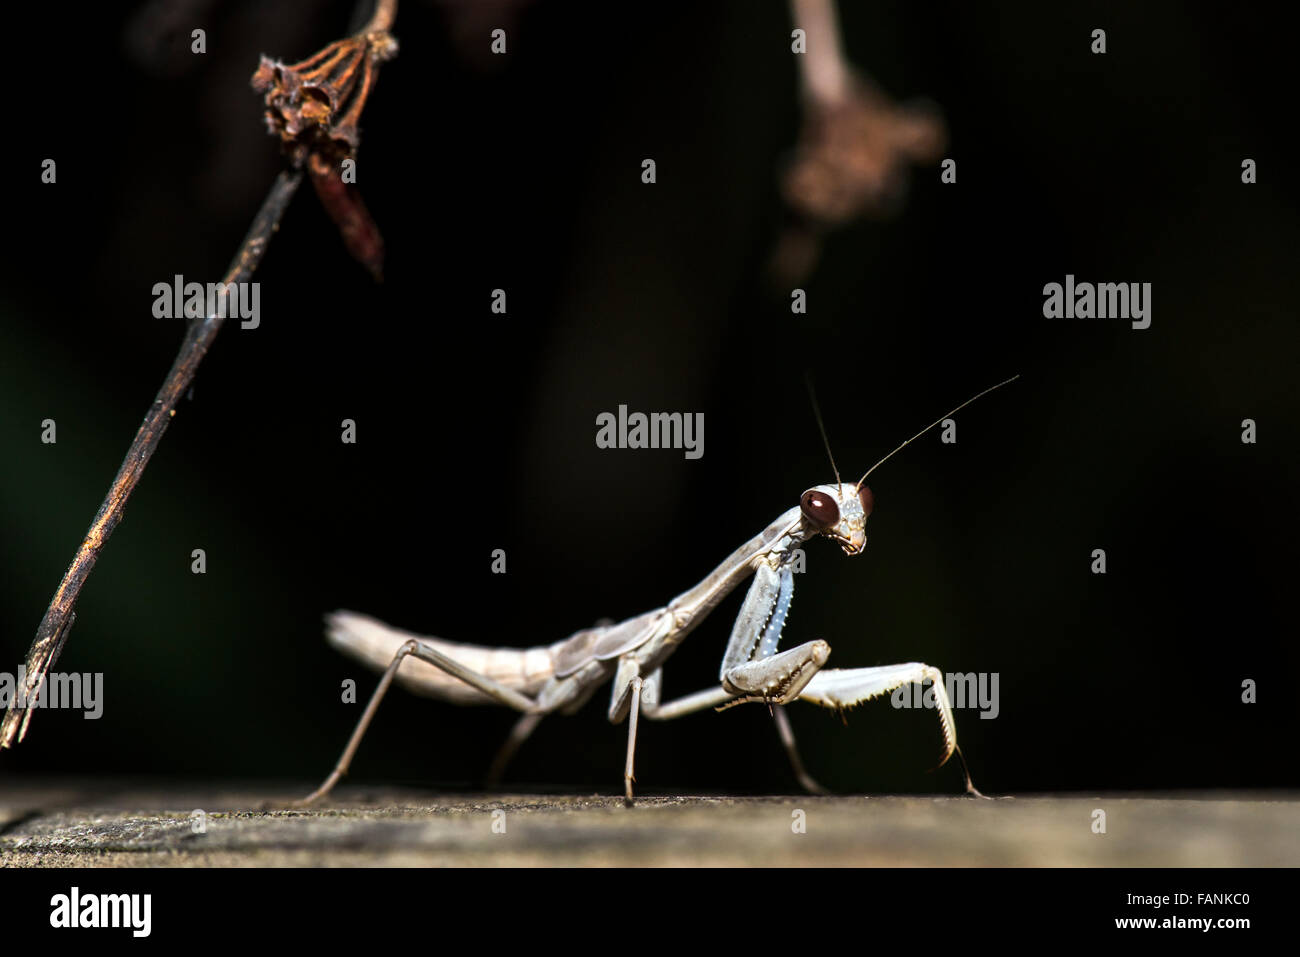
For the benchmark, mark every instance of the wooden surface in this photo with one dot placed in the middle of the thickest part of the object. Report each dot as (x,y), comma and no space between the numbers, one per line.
(105,824)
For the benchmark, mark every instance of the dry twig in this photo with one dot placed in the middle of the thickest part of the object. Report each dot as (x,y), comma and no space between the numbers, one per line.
(323,106)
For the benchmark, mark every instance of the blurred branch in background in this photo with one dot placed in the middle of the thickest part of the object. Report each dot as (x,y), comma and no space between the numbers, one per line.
(854,148)
(313,106)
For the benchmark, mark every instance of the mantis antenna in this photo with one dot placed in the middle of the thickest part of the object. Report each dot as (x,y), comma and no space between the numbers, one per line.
(821,426)
(927,428)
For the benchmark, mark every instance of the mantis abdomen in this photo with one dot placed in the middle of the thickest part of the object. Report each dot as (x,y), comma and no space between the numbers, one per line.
(375,643)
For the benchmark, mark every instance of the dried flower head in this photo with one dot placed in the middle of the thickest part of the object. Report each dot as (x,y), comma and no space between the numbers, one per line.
(313,106)
(853,154)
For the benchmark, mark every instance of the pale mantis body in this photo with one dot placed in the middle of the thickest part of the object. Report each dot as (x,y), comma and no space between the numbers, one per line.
(562,677)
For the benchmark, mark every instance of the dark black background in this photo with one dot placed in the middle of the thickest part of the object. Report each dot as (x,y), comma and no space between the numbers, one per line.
(477,431)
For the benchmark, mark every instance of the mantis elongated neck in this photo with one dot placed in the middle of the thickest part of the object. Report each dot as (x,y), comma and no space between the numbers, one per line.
(776,542)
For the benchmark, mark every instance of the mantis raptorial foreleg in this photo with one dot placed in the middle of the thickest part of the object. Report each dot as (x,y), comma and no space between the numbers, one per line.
(779,678)
(762,617)
(752,670)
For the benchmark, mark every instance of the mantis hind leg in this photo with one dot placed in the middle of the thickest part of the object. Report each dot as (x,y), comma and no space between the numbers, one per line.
(520,733)
(507,696)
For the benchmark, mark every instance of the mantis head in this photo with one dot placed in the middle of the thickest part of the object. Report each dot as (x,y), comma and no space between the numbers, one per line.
(840,513)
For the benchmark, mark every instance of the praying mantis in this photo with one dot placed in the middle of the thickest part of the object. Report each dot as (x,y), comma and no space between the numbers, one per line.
(562,677)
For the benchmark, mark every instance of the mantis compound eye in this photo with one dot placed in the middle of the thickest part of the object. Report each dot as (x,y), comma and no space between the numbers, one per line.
(868,501)
(819,508)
